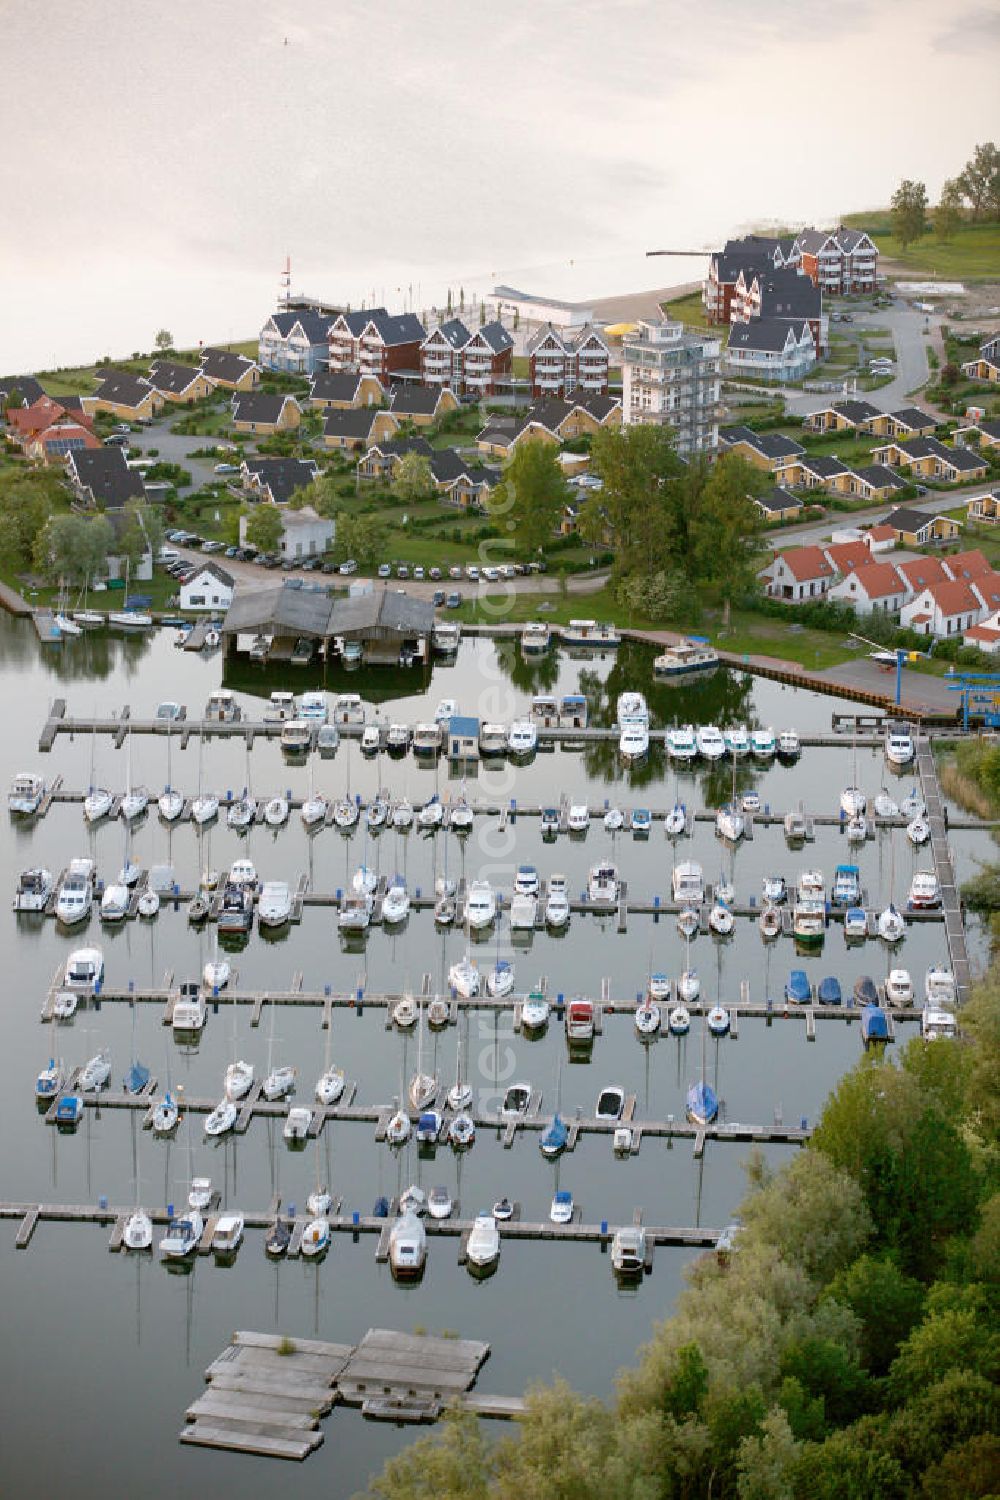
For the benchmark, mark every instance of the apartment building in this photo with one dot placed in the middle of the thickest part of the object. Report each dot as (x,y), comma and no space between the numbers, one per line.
(838,260)
(563,361)
(376,343)
(472,364)
(671,377)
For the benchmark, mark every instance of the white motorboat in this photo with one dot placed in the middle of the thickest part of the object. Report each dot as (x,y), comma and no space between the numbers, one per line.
(885,807)
(34,887)
(899,987)
(603,884)
(679,1020)
(84,969)
(774,889)
(522,737)
(460,816)
(536,638)
(190,1010)
(681,743)
(463,977)
(721,919)
(763,745)
(371,739)
(330,1086)
(170,805)
(523,912)
(243,874)
(730,824)
(319,1202)
(114,903)
(200,1193)
(216,974)
(795,827)
(480,906)
(557,903)
(50,1080)
(789,745)
(183,1236)
(517,1097)
(398,737)
(296,737)
(675,821)
(857,829)
(274,904)
(590,634)
(939,987)
(313,706)
(937,1023)
(137,1233)
(396,902)
(711,742)
(402,814)
(64,1005)
(899,749)
(314,810)
(737,741)
(483,1246)
(628,1253)
(348,709)
(228,1236)
(810,886)
(535,1012)
(25,795)
(890,925)
(221,1119)
(97,804)
(610,1103)
(688,884)
(276,812)
(614,820)
(633,742)
(717,1020)
(808,920)
(500,979)
(492,738)
(95,1074)
(327,739)
(239,1080)
(297,1122)
(750,802)
(446,710)
(658,986)
(578,818)
(242,812)
(918,831)
(853,801)
(279,1083)
(427,739)
(316,1238)
(647,1018)
(439,1203)
(925,890)
(686,657)
(407,1248)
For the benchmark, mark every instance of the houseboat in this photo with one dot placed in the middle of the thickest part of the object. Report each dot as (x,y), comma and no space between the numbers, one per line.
(446,637)
(25,795)
(280,706)
(348,710)
(545,710)
(34,887)
(684,659)
(492,739)
(536,638)
(688,884)
(427,739)
(296,736)
(222,707)
(573,711)
(590,633)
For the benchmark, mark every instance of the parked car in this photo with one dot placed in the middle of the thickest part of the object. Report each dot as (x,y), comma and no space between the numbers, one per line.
(232,551)
(402,571)
(227,468)
(454,600)
(418,572)
(439,598)
(471,571)
(384,570)
(348,567)
(455,572)
(435,573)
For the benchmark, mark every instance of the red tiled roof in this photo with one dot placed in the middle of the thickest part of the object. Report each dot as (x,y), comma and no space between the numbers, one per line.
(982,633)
(987,587)
(968,565)
(879,580)
(953,598)
(921,571)
(61,430)
(882,533)
(806,562)
(847,556)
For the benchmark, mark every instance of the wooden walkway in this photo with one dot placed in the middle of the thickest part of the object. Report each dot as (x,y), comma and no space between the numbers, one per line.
(954,923)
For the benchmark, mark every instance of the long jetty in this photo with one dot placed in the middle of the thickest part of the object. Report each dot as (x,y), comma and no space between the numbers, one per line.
(951,905)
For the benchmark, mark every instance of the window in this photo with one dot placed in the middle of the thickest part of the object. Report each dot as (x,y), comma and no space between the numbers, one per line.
(196,599)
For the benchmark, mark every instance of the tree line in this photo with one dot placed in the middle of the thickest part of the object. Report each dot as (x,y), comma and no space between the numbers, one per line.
(974,196)
(36,533)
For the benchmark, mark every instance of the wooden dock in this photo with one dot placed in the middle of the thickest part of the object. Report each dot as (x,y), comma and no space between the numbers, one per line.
(951,906)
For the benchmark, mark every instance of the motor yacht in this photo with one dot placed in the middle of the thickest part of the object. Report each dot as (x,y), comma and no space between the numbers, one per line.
(681,743)
(603,884)
(578,817)
(522,737)
(407,1247)
(789,745)
(34,888)
(925,891)
(483,1245)
(737,741)
(76,894)
(710,741)
(939,986)
(899,987)
(480,906)
(763,745)
(686,658)
(463,977)
(25,795)
(899,748)
(557,902)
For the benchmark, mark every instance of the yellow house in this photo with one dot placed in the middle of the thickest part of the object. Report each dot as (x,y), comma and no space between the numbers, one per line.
(421,404)
(180,383)
(125,395)
(233,371)
(341,390)
(915,529)
(774,452)
(265,414)
(873,482)
(350,428)
(982,369)
(985,508)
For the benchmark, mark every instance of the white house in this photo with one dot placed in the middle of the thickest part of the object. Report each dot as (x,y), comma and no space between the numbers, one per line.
(985,635)
(771,348)
(211,587)
(798,574)
(943,610)
(874,588)
(304,533)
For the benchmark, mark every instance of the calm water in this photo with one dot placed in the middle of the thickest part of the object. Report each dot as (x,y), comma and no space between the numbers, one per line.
(132,1339)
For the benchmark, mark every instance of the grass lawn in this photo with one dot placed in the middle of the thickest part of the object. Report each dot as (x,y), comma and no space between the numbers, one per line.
(689,309)
(161,589)
(973,253)
(78,380)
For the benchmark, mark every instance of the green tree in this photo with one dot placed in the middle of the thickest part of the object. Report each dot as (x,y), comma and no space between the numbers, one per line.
(264,528)
(412,480)
(641,504)
(529,500)
(322,494)
(27,500)
(980,181)
(972,1471)
(948,214)
(766,1463)
(74,548)
(164,340)
(727,535)
(363,537)
(908,211)
(454,1464)
(887,1304)
(957,1334)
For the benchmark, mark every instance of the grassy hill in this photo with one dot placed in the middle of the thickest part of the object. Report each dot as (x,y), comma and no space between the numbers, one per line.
(973,254)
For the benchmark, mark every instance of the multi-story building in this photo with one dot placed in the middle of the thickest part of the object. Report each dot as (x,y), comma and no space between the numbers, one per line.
(295,341)
(773,348)
(472,364)
(784,294)
(755,252)
(671,377)
(376,343)
(838,260)
(561,362)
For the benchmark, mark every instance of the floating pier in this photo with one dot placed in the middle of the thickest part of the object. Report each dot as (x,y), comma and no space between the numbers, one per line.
(951,906)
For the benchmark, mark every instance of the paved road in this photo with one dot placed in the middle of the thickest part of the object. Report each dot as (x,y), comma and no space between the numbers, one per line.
(817,531)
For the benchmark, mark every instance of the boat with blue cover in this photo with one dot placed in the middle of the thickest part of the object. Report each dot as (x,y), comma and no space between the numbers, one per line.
(554,1137)
(702,1104)
(846,889)
(829,992)
(69,1110)
(798,990)
(874,1027)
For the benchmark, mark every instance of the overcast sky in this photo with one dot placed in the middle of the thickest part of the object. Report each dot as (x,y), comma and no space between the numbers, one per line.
(161,161)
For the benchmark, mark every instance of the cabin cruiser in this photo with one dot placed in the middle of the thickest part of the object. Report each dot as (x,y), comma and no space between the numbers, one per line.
(236,908)
(446,637)
(84,969)
(642,822)
(522,737)
(97,804)
(327,739)
(633,742)
(857,829)
(536,637)
(939,986)
(190,1009)
(853,802)
(561,1209)
(687,884)
(580,1021)
(427,739)
(925,891)
(26,793)
(775,890)
(371,739)
(603,884)
(114,902)
(34,887)
(710,742)
(590,633)
(463,976)
(183,1236)
(297,1122)
(279,707)
(610,1103)
(396,902)
(769,923)
(557,902)
(274,904)
(762,743)
(69,1111)
(737,741)
(631,705)
(356,911)
(348,710)
(407,1248)
(398,737)
(446,710)
(899,749)
(681,743)
(688,656)
(222,707)
(936,1022)
(899,987)
(808,919)
(578,818)
(76,894)
(730,824)
(628,1252)
(846,888)
(855,924)
(483,1245)
(534,1012)
(313,707)
(480,905)
(296,736)
(228,1236)
(545,710)
(789,745)
(492,738)
(137,1233)
(795,827)
(523,912)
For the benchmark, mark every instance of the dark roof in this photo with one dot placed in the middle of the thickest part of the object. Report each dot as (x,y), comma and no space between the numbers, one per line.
(350,421)
(71,403)
(904,518)
(787,294)
(447,465)
(823,464)
(397,328)
(771,444)
(912,416)
(358,320)
(226,579)
(965,459)
(500,432)
(919,447)
(388,609)
(770,334)
(335,385)
(991,429)
(313,324)
(415,400)
(26,386)
(396,447)
(223,364)
(122,388)
(105,473)
(281,476)
(774,501)
(174,378)
(856,411)
(259,406)
(496,335)
(454,332)
(277,607)
(878,475)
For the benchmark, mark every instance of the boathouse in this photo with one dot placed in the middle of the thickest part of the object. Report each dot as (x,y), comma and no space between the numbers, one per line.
(463,737)
(389,624)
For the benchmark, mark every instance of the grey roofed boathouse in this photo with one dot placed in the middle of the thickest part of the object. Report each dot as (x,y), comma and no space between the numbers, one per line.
(382,620)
